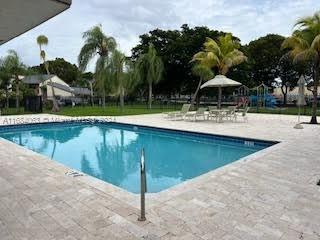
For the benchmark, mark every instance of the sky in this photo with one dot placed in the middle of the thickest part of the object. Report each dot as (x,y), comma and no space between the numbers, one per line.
(127,19)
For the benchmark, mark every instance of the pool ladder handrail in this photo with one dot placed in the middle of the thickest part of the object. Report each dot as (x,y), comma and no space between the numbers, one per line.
(143,186)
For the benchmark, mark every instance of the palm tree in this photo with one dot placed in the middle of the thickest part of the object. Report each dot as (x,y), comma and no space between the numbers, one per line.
(220,55)
(42,40)
(304,46)
(97,44)
(117,65)
(124,75)
(130,77)
(14,67)
(204,73)
(5,78)
(150,69)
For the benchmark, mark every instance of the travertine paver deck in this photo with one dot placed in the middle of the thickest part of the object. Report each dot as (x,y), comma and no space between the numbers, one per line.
(269,195)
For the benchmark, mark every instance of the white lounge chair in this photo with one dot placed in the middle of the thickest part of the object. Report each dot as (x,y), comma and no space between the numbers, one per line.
(178,115)
(201,112)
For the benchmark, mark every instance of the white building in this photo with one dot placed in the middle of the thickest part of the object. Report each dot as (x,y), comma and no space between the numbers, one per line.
(42,85)
(293,94)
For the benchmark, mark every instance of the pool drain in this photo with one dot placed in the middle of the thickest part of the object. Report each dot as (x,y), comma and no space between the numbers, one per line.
(318,183)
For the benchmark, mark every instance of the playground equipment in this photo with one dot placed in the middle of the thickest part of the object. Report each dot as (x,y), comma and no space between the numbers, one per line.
(242,96)
(262,92)
(261,97)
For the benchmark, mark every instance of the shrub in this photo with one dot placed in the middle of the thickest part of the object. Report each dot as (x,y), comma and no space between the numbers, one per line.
(48,104)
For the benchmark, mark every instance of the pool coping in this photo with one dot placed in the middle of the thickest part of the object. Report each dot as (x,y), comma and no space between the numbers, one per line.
(152,199)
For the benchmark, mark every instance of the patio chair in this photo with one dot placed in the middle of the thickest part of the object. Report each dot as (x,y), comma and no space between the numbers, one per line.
(230,114)
(242,113)
(178,115)
(212,108)
(213,114)
(201,112)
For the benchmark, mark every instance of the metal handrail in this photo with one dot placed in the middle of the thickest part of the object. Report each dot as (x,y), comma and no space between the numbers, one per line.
(143,186)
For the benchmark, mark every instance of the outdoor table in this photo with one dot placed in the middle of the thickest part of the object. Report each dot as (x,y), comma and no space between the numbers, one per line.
(219,113)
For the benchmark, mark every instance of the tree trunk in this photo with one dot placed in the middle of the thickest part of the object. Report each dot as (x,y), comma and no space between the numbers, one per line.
(55,106)
(91,94)
(121,97)
(150,96)
(219,97)
(17,93)
(198,100)
(196,93)
(104,99)
(7,97)
(315,93)
(285,94)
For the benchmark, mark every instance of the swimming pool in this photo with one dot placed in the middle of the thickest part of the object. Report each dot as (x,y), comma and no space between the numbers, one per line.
(111,151)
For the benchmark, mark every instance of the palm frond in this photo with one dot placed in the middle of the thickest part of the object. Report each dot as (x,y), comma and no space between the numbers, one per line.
(211,60)
(202,71)
(222,54)
(227,44)
(42,40)
(211,46)
(304,56)
(316,43)
(198,56)
(96,43)
(87,52)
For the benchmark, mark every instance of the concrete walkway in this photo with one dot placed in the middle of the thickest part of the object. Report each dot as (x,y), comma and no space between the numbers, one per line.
(269,195)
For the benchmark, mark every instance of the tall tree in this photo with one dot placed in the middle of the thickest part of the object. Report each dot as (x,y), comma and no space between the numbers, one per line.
(304,46)
(117,63)
(243,72)
(220,56)
(124,75)
(204,73)
(15,68)
(288,76)
(263,56)
(97,44)
(176,48)
(42,40)
(150,68)
(5,80)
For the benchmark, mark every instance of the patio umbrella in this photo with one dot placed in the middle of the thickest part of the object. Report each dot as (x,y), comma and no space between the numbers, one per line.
(301,101)
(220,81)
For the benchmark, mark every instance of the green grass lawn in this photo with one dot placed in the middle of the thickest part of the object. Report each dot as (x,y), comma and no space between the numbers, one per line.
(12,111)
(290,110)
(142,109)
(112,110)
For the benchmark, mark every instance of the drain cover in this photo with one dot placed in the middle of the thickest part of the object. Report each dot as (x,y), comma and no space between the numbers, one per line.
(73,174)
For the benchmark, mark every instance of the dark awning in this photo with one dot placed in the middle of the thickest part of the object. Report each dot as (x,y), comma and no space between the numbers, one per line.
(19,16)
(36,79)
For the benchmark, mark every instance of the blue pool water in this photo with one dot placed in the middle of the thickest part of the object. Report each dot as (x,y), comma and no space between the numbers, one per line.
(111,151)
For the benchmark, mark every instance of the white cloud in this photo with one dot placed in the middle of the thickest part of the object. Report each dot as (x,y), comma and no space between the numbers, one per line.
(127,19)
